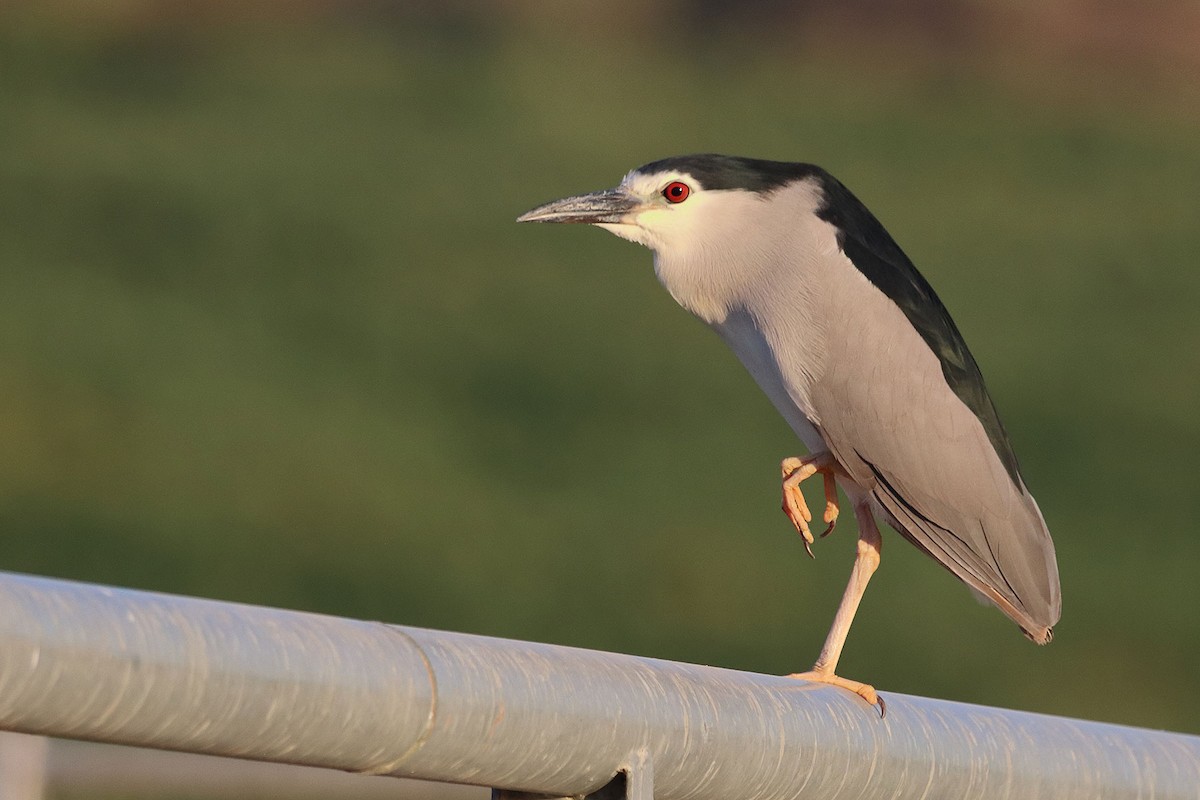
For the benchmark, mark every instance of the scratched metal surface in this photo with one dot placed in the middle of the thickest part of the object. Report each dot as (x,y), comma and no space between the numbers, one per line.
(91,662)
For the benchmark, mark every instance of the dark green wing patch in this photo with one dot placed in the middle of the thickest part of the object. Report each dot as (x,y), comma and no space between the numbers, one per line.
(873,251)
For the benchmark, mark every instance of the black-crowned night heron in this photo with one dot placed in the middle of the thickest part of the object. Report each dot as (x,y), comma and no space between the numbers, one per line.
(860,357)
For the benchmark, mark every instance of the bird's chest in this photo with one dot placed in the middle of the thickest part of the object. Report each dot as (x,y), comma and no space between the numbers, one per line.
(769,316)
(784,370)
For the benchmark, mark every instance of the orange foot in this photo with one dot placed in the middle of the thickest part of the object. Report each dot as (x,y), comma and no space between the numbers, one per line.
(865,691)
(797,470)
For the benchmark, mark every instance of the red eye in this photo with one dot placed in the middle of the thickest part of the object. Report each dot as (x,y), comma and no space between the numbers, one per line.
(676,192)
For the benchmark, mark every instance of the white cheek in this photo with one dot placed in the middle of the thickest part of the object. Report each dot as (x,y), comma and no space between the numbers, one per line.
(666,229)
(686,228)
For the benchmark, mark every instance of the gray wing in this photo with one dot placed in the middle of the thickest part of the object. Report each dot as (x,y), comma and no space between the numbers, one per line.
(927,462)
(903,408)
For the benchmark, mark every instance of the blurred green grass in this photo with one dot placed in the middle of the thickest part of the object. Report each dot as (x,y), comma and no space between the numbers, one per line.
(268,333)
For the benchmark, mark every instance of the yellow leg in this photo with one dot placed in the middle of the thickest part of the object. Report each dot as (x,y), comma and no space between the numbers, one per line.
(866,561)
(796,471)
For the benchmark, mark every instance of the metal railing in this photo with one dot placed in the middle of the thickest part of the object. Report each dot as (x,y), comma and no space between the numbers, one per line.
(92,662)
(40,768)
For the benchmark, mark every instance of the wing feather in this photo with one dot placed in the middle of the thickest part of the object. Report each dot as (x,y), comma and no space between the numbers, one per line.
(903,407)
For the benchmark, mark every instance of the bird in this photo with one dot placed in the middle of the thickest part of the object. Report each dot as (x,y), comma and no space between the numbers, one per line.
(860,357)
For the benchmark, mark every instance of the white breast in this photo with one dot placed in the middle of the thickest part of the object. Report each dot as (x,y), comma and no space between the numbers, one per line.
(786,385)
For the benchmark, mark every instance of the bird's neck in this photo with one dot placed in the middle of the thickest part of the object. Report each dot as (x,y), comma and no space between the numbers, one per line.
(701,286)
(744,251)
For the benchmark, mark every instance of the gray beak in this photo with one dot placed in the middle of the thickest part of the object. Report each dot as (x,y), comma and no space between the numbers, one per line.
(610,205)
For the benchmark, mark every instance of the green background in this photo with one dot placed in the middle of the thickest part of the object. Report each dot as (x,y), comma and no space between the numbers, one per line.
(268,332)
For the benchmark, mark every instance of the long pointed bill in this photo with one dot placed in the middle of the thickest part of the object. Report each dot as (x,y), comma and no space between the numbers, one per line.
(610,205)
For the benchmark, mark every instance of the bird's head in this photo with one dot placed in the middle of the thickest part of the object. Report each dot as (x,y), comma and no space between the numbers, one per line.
(678,202)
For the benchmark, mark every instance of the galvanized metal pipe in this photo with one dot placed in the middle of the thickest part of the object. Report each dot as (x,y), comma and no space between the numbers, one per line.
(91,662)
